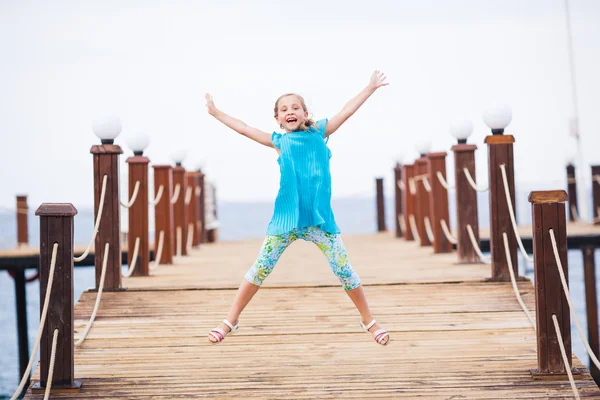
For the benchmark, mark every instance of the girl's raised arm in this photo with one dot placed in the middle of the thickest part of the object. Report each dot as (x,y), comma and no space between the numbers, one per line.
(377,81)
(240,127)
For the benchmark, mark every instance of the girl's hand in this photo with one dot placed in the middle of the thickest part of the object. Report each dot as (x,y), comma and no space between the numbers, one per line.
(377,80)
(210,105)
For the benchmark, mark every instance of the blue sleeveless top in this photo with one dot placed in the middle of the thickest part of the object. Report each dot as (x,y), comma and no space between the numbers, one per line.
(304,197)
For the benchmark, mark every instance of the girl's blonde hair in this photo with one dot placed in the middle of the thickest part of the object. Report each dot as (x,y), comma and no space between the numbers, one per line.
(307,123)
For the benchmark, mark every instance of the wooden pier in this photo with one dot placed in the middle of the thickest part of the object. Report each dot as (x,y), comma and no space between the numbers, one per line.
(454,335)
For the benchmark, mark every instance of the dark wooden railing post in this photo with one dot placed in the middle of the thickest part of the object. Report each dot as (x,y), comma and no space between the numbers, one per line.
(591,301)
(56,226)
(398,198)
(422,199)
(22,225)
(380,205)
(572,191)
(438,202)
(201,207)
(408,199)
(466,203)
(596,193)
(192,181)
(180,210)
(548,212)
(138,214)
(106,162)
(163,213)
(500,152)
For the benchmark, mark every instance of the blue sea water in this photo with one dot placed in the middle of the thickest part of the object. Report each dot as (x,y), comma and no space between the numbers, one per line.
(238,221)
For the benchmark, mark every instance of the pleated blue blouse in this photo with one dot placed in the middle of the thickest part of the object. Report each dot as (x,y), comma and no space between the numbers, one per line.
(304,197)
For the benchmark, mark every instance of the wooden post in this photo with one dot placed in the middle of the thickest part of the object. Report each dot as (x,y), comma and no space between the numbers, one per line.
(106,162)
(596,193)
(572,191)
(201,208)
(163,213)
(56,226)
(398,197)
(211,213)
(22,214)
(438,202)
(192,181)
(548,212)
(500,151)
(180,210)
(591,301)
(466,203)
(138,215)
(408,199)
(422,199)
(380,205)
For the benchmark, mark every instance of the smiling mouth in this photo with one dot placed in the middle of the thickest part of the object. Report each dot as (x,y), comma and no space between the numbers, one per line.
(291,120)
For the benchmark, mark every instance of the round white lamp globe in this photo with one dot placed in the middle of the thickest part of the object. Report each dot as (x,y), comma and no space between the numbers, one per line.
(107,128)
(497,118)
(178,156)
(461,129)
(138,142)
(423,147)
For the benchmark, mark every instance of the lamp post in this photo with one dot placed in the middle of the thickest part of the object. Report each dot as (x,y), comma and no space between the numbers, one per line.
(466,197)
(422,210)
(398,195)
(179,207)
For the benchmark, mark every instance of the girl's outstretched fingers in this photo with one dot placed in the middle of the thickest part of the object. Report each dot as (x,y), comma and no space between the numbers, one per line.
(210,105)
(378,79)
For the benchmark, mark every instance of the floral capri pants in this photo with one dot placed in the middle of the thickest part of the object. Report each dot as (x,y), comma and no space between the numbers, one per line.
(330,244)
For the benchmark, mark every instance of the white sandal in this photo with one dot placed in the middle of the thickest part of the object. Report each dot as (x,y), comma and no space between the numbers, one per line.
(379,334)
(220,334)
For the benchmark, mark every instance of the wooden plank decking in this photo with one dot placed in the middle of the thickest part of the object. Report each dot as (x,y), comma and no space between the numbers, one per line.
(454,336)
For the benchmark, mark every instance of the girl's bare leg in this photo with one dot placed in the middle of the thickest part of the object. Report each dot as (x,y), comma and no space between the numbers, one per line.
(360,301)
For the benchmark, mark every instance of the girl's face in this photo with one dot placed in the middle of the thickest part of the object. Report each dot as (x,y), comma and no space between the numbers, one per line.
(290,113)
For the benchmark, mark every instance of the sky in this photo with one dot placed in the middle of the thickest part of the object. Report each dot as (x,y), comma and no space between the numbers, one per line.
(66,63)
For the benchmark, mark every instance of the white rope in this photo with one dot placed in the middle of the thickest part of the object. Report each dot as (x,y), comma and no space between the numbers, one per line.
(158,195)
(98,297)
(575,213)
(426,184)
(401,185)
(188,195)
(133,196)
(51,366)
(447,232)
(411,186)
(97,225)
(176,194)
(472,181)
(190,237)
(158,255)
(42,323)
(571,180)
(413,228)
(568,296)
(476,245)
(179,241)
(198,191)
(597,219)
(428,229)
(597,179)
(512,214)
(443,181)
(563,353)
(401,222)
(514,281)
(136,247)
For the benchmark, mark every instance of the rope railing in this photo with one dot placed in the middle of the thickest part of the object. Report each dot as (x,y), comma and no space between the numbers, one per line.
(133,196)
(136,247)
(98,297)
(198,191)
(176,194)
(443,181)
(428,229)
(476,245)
(565,287)
(38,338)
(472,181)
(597,219)
(413,228)
(97,225)
(571,180)
(161,238)
(179,241)
(575,213)
(447,232)
(401,222)
(596,178)
(514,281)
(51,366)
(188,195)
(190,237)
(563,353)
(426,184)
(158,195)
(401,185)
(411,186)
(511,212)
